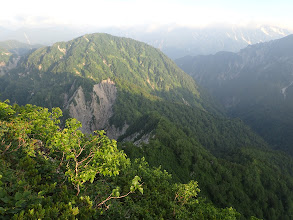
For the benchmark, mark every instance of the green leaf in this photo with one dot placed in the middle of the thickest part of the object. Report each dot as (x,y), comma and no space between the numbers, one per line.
(18,196)
(19,203)
(26,194)
(116,192)
(41,193)
(31,211)
(5,199)
(75,211)
(2,210)
(140,190)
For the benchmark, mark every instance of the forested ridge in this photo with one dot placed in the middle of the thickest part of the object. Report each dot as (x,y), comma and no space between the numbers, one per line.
(47,173)
(172,125)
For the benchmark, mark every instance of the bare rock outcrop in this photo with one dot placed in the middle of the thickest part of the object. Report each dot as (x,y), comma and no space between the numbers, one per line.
(95,110)
(5,67)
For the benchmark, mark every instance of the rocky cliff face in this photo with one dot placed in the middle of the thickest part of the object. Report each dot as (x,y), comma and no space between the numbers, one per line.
(94,112)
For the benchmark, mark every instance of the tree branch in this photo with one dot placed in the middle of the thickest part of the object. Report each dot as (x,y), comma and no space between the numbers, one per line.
(114,197)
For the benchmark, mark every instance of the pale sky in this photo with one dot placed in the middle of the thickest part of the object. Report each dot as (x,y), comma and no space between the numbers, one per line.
(126,13)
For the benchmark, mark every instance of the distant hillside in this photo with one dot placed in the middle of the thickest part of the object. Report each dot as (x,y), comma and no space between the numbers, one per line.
(17,47)
(254,84)
(10,53)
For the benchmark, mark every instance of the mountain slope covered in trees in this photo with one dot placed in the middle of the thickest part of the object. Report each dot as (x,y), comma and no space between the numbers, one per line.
(155,110)
(254,84)
(49,172)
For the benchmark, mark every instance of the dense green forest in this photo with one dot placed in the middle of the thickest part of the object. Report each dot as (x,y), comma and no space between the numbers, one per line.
(47,173)
(177,139)
(230,170)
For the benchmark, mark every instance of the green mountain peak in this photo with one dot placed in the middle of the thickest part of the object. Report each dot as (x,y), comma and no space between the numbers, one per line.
(102,56)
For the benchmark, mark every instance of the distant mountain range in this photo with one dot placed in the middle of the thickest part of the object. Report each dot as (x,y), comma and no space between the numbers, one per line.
(177,42)
(174,41)
(255,84)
